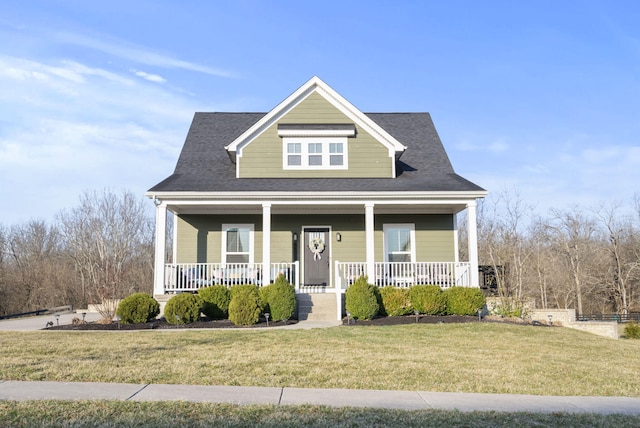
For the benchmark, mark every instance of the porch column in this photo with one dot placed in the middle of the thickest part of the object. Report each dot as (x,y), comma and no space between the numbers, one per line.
(160,247)
(266,243)
(369,237)
(473,244)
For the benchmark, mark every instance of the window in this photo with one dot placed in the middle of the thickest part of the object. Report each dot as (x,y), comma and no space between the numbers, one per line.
(399,242)
(237,243)
(294,157)
(315,153)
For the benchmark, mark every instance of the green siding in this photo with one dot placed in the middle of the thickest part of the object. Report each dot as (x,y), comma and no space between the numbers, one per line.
(434,236)
(366,156)
(199,236)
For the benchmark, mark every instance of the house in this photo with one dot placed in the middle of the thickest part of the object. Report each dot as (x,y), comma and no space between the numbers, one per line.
(318,191)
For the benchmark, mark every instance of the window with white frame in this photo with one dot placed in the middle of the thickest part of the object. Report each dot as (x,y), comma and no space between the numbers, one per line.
(315,153)
(399,242)
(237,243)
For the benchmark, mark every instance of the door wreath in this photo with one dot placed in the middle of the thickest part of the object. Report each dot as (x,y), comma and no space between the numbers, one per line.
(316,245)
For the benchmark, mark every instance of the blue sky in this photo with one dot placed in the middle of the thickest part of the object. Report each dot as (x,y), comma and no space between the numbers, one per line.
(538,96)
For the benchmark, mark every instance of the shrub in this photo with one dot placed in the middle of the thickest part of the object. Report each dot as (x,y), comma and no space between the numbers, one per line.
(215,301)
(395,301)
(632,330)
(244,308)
(280,299)
(138,307)
(428,299)
(464,300)
(361,301)
(183,309)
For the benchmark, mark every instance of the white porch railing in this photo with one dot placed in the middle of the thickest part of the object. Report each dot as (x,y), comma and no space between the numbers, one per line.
(444,274)
(180,277)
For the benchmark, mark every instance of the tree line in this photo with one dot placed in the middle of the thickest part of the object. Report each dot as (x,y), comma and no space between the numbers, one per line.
(103,249)
(577,257)
(98,251)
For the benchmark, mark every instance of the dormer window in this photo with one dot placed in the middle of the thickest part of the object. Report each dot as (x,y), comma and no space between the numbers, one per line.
(315,146)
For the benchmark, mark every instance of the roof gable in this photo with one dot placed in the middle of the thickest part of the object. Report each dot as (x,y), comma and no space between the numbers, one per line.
(315,86)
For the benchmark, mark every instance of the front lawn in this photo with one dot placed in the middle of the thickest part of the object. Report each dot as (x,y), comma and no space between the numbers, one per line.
(473,357)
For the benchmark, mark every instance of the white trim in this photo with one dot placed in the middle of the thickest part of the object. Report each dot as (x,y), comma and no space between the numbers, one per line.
(369,227)
(316,132)
(225,228)
(473,243)
(266,242)
(412,237)
(160,247)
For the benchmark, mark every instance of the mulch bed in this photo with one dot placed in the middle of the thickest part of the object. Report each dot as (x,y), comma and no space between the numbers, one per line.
(206,323)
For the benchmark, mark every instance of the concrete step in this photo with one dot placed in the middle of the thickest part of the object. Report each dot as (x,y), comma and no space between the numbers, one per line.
(317,306)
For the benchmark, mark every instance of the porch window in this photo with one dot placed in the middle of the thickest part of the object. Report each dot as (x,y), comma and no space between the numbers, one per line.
(237,243)
(399,242)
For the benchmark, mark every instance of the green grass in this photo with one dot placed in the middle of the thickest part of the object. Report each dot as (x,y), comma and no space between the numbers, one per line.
(186,415)
(474,357)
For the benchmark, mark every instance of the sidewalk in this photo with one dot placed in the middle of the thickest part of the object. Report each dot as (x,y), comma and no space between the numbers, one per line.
(403,400)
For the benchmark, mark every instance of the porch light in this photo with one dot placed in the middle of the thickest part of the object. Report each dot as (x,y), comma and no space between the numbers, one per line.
(295,236)
(338,237)
(156,201)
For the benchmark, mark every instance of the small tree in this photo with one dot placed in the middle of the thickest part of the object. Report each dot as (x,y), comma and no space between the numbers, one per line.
(361,301)
(280,299)
(138,307)
(183,309)
(215,301)
(395,301)
(428,299)
(464,300)
(244,308)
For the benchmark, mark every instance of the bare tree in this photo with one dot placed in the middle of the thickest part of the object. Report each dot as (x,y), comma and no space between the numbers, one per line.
(572,233)
(108,238)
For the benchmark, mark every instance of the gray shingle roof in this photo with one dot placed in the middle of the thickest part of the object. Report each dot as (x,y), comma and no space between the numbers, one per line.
(204,165)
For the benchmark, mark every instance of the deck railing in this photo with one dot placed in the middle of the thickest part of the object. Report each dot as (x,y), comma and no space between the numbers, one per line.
(180,277)
(443,274)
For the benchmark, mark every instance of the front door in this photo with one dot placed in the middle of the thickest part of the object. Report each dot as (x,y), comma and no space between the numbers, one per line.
(316,256)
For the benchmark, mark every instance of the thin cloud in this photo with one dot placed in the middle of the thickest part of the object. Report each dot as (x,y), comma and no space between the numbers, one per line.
(139,54)
(150,77)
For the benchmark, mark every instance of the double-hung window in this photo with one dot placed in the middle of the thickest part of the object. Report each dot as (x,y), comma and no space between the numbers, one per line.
(237,243)
(399,242)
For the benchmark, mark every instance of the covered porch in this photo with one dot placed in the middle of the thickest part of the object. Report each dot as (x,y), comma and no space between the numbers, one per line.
(353,236)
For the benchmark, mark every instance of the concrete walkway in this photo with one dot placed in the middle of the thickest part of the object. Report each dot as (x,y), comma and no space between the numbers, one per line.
(403,400)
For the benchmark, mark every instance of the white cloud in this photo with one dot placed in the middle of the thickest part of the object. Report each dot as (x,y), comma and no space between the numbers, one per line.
(149,77)
(66,127)
(138,54)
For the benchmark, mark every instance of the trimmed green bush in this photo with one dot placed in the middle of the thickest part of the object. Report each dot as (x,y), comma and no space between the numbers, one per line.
(244,308)
(428,299)
(464,300)
(279,299)
(183,308)
(361,301)
(632,330)
(395,301)
(138,307)
(215,301)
